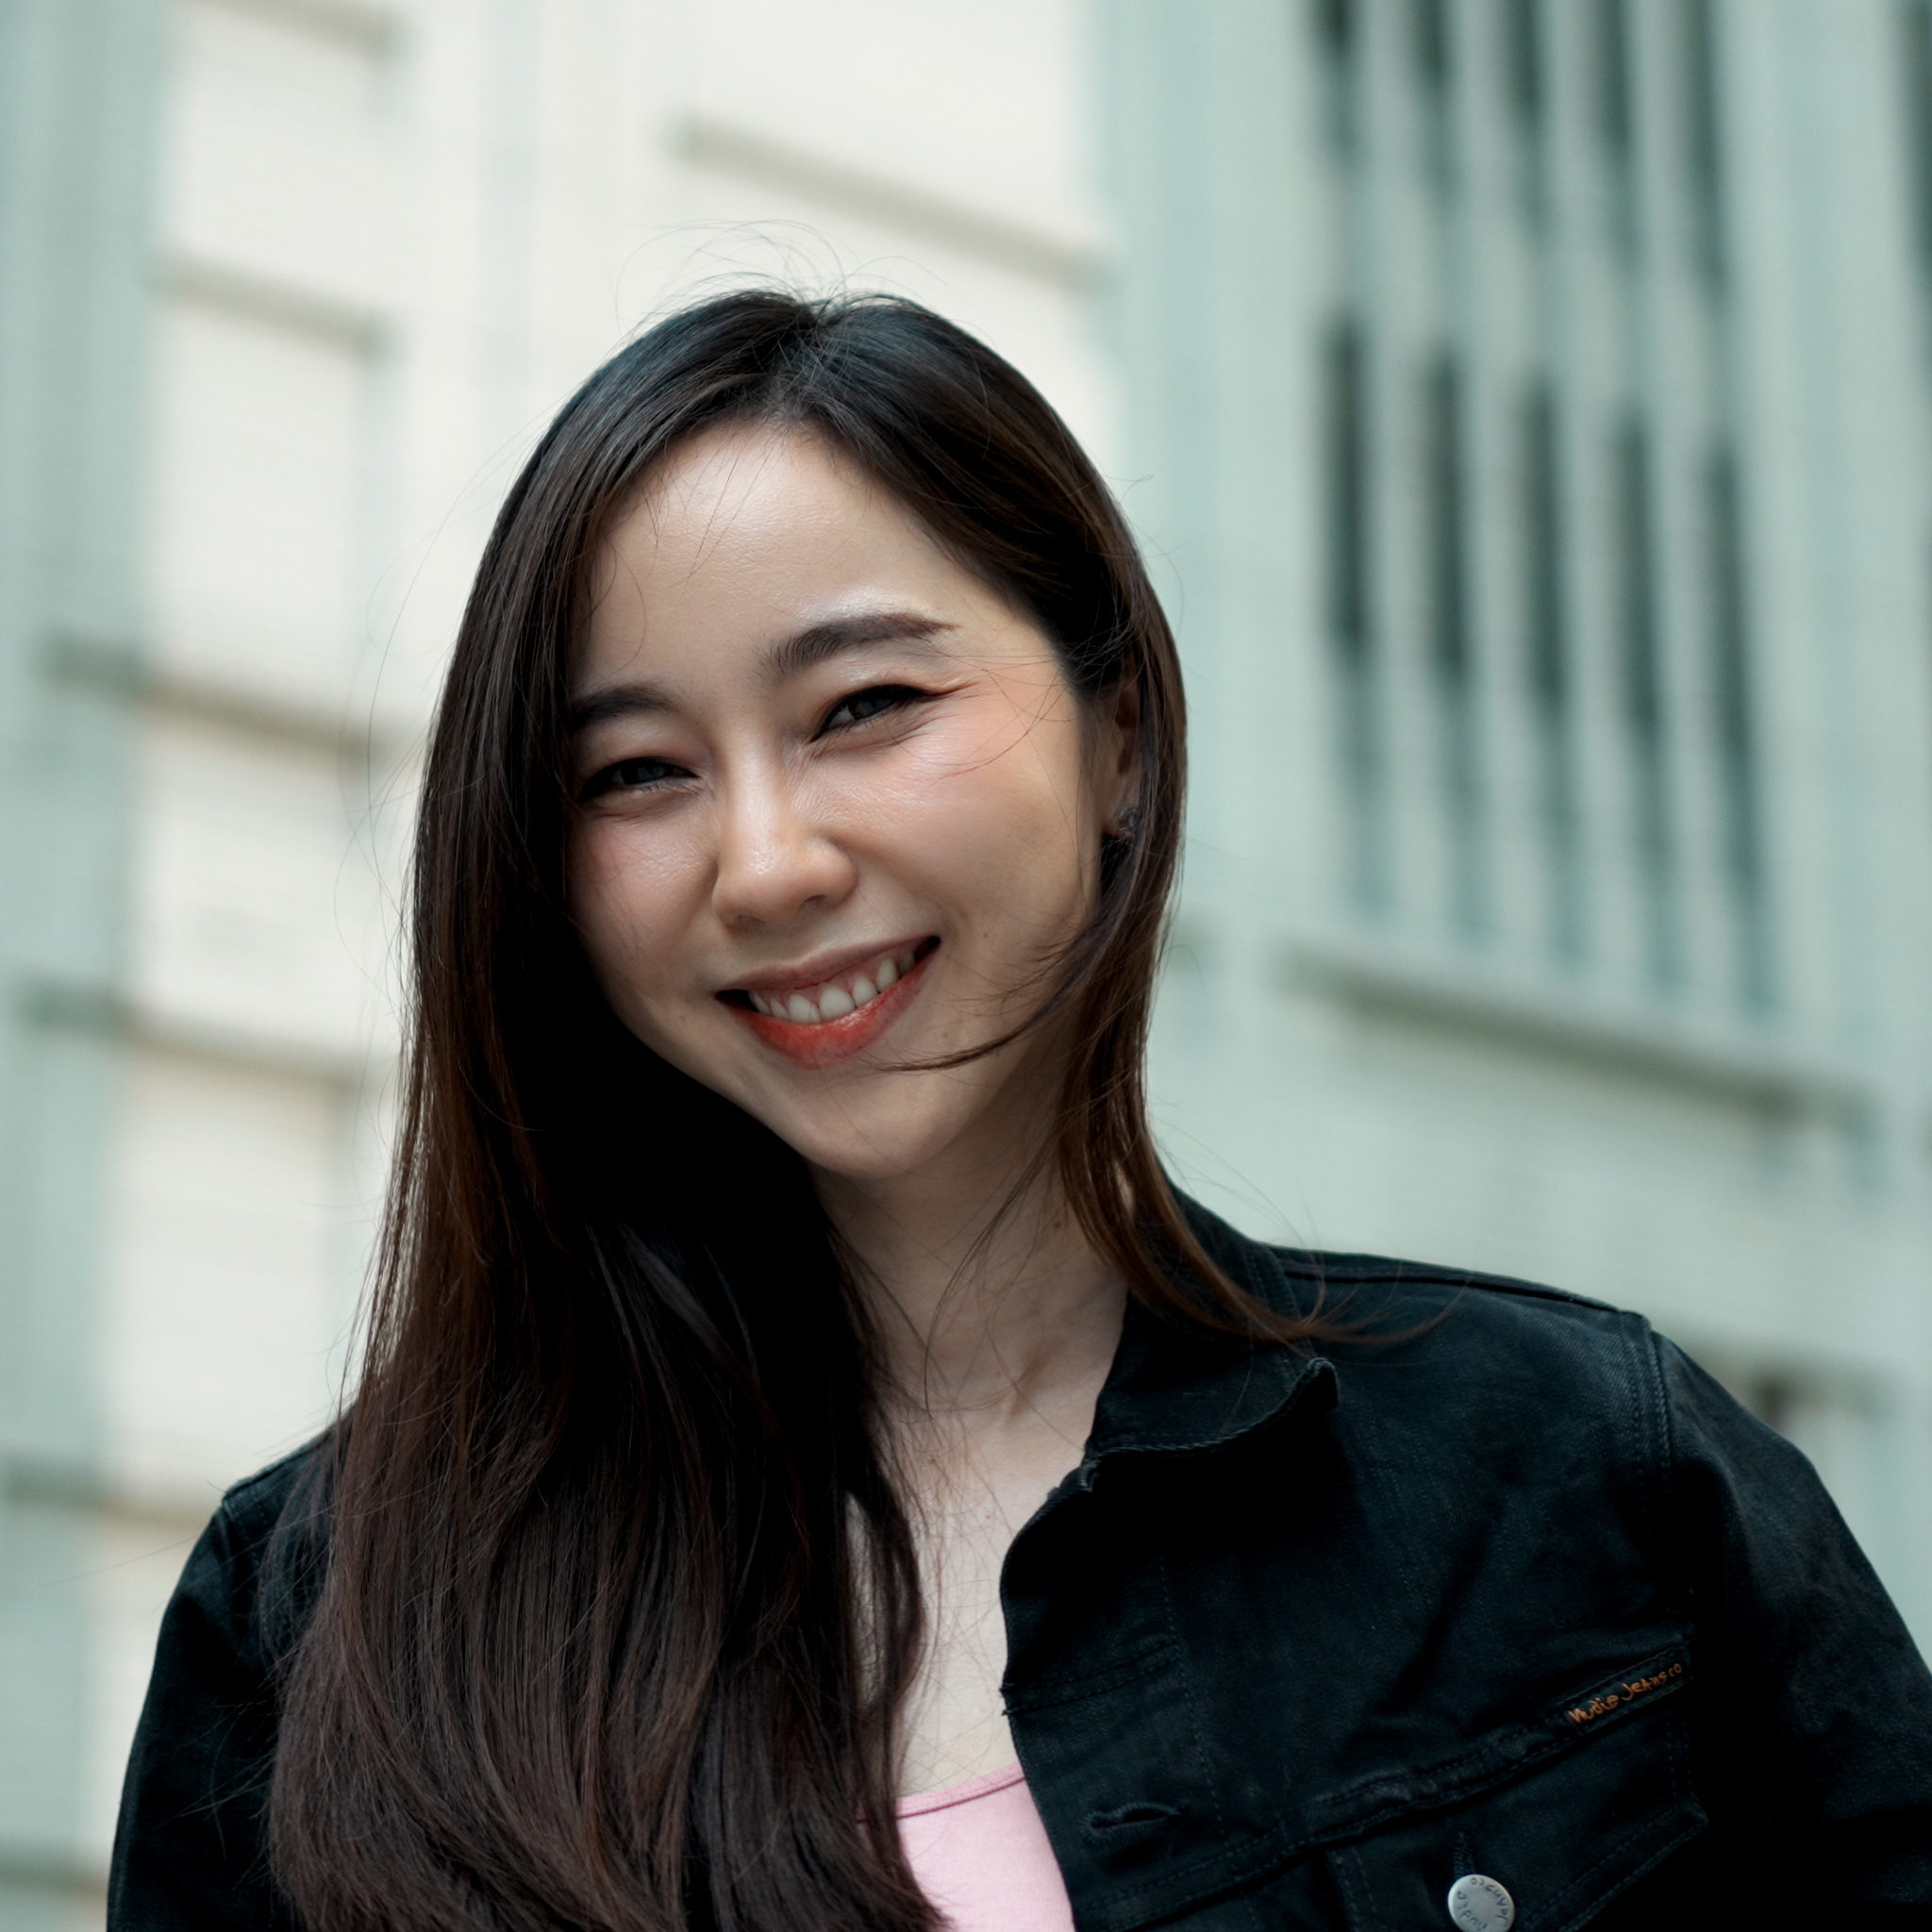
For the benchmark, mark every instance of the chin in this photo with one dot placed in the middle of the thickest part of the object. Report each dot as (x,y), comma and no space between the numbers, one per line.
(879,1127)
(857,1150)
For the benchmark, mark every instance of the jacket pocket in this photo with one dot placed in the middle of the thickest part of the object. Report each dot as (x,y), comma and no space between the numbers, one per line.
(1562,1837)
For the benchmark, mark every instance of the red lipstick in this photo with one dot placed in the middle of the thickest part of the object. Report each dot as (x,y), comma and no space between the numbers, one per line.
(815,1044)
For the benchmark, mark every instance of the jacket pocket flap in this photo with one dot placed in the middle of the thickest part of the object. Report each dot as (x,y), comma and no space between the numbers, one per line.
(1366,1803)
(1561,1836)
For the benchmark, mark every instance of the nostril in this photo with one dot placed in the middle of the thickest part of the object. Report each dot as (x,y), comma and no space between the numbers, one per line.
(1144,1812)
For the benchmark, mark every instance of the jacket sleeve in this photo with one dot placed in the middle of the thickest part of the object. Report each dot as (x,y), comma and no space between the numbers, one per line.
(190,1850)
(1815,1705)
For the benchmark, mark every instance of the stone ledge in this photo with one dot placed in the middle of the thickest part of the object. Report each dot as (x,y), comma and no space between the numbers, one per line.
(1707,1059)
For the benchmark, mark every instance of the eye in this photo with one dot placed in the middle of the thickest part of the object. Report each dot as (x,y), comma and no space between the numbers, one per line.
(875,701)
(631,774)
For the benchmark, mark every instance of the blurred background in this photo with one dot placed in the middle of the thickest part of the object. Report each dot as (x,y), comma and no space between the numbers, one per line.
(1525,405)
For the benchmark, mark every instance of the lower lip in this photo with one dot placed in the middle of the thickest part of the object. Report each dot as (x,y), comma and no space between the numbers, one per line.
(826,1043)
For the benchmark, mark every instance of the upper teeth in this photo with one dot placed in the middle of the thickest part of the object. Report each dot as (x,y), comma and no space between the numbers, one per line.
(832,999)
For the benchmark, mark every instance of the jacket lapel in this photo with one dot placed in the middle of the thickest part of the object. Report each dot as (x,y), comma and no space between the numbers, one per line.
(1177,1389)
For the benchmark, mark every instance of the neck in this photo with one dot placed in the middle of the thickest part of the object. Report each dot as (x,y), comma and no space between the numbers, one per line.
(987,1305)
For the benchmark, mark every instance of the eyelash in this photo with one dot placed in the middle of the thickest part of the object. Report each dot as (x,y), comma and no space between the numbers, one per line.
(897,698)
(611,777)
(894,697)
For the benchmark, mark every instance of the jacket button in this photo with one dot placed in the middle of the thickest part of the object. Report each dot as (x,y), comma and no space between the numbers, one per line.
(1480,1904)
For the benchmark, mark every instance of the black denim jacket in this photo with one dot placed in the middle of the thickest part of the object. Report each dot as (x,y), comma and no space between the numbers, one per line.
(1304,1639)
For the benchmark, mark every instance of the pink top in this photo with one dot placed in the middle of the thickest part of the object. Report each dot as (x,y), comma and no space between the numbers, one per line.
(980,1854)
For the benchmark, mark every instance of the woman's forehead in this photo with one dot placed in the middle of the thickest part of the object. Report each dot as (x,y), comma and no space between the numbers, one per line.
(741,488)
(755,535)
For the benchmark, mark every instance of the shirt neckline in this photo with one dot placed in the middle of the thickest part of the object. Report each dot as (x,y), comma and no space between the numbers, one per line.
(918,1802)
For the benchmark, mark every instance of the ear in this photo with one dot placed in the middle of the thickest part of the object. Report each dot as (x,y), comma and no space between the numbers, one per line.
(1119,756)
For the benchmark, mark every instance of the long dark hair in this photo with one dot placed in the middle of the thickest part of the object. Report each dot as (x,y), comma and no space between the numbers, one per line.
(620,1603)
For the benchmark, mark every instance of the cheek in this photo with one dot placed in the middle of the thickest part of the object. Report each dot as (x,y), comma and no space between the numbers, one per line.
(630,897)
(1000,833)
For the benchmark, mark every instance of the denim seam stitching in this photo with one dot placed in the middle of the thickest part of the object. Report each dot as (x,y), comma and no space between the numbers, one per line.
(1070,1690)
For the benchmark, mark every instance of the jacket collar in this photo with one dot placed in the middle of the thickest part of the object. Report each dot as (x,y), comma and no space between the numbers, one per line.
(1176,1388)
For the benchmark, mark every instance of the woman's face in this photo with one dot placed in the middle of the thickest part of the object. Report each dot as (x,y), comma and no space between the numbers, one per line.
(838,808)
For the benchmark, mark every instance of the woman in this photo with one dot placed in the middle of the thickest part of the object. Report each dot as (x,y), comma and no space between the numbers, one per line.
(809,1470)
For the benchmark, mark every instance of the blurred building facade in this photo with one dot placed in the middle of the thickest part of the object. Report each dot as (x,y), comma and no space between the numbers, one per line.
(1525,402)
(287,289)
(1533,399)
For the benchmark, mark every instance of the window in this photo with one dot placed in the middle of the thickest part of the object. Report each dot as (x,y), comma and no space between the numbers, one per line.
(1539,550)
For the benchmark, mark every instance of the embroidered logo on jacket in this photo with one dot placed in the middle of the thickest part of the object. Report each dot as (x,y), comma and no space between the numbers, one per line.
(1626,1694)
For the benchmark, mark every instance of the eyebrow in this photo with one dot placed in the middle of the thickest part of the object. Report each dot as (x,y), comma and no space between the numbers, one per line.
(818,641)
(787,659)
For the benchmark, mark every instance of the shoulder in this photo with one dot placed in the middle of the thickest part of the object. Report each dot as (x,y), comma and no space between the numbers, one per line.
(1346,1288)
(189,1848)
(1489,1371)
(252,1508)
(248,1569)
(1499,1366)
(1379,1308)
(1450,1375)
(1452,1342)
(1374,1305)
(251,1511)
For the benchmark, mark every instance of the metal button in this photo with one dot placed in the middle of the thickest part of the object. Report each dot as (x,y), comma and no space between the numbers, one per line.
(1480,1904)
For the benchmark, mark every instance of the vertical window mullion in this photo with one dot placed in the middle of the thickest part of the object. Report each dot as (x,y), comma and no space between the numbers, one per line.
(1548,673)
(1733,722)
(1347,495)
(1641,683)
(1450,643)
(1347,472)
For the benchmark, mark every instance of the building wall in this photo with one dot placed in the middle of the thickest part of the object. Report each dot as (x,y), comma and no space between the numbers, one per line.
(385,243)
(1530,923)
(77,116)
(1532,398)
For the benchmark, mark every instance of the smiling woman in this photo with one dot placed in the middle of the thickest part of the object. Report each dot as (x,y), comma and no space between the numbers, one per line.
(810,1471)
(833,786)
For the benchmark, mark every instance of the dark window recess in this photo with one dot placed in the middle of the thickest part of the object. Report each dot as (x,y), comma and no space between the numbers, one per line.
(1547,667)
(1704,139)
(1522,60)
(1526,89)
(1732,704)
(1430,20)
(1345,450)
(1771,1395)
(1615,103)
(1338,30)
(1915,33)
(1915,48)
(1442,414)
(1446,513)
(1432,45)
(1642,684)
(1616,119)
(1345,496)
(1335,23)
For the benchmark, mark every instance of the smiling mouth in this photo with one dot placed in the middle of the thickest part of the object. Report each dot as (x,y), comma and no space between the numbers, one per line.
(834,998)
(837,1017)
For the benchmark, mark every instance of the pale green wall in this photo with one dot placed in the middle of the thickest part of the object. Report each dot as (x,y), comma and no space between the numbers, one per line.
(1749,1165)
(79,84)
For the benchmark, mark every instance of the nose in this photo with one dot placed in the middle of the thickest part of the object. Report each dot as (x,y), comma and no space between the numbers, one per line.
(774,860)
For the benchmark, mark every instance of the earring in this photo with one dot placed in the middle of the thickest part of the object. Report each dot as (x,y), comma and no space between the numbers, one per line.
(1131,823)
